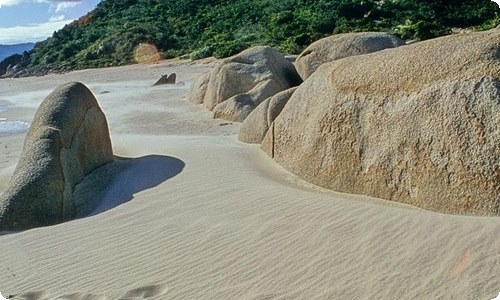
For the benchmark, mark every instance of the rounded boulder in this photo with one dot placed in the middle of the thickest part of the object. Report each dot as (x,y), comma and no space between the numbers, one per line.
(241,82)
(340,46)
(67,140)
(417,124)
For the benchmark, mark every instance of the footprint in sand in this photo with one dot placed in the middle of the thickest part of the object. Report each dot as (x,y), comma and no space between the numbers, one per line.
(146,292)
(38,295)
(44,296)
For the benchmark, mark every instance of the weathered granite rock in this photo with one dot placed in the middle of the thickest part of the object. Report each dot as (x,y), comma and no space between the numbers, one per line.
(417,124)
(166,79)
(199,88)
(255,126)
(7,66)
(67,140)
(243,81)
(342,45)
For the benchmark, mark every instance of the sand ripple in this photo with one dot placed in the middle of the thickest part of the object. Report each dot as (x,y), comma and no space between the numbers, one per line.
(233,224)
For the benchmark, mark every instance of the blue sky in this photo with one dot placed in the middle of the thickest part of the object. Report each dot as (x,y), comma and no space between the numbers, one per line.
(35,20)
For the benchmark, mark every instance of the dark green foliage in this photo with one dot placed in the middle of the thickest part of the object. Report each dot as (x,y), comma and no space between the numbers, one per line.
(108,35)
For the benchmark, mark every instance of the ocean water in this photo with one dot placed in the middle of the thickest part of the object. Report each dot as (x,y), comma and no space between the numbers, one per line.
(8,127)
(4,106)
(12,127)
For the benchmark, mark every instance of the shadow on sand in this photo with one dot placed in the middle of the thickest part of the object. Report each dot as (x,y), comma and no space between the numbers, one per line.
(116,183)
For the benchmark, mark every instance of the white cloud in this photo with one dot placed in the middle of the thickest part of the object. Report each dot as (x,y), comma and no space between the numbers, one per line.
(31,33)
(61,6)
(57,5)
(55,18)
(37,32)
(16,2)
(9,2)
(497,2)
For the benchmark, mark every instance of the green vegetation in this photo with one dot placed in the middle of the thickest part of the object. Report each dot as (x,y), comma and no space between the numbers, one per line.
(200,28)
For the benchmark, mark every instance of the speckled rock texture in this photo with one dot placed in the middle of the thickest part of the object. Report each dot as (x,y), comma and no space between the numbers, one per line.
(67,140)
(340,46)
(199,88)
(256,125)
(418,124)
(243,81)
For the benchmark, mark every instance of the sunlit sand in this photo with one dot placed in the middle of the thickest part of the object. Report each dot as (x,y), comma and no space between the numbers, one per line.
(194,214)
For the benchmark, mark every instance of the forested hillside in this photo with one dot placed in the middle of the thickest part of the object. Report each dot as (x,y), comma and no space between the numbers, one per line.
(200,28)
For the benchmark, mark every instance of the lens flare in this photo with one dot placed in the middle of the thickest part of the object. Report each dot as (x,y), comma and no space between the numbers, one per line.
(463,263)
(147,53)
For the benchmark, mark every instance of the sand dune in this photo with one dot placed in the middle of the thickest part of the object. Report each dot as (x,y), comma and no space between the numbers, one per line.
(194,214)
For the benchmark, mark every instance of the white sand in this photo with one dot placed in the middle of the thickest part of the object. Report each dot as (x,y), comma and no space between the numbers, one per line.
(198,215)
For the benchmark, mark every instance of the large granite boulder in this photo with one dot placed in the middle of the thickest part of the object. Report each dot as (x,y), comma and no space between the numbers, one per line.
(243,81)
(342,45)
(256,125)
(67,140)
(199,88)
(417,124)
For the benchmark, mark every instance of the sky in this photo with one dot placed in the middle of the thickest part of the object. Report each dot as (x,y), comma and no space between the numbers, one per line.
(34,20)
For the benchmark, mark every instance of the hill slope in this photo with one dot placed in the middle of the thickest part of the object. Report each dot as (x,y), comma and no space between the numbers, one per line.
(110,34)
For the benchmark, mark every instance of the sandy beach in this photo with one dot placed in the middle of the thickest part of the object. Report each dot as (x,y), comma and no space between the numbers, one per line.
(196,214)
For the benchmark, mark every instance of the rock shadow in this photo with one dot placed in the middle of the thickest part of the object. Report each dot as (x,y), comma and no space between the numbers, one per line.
(118,182)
